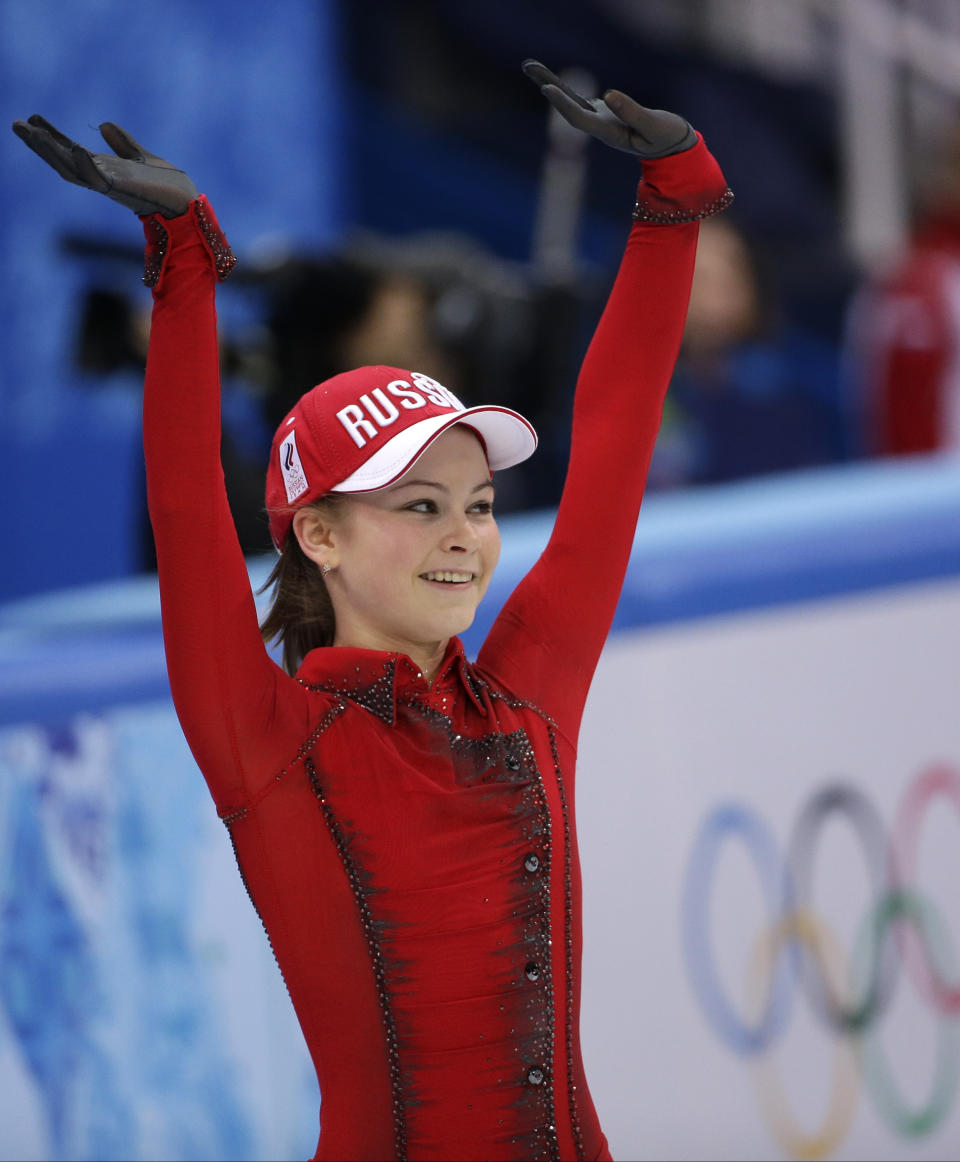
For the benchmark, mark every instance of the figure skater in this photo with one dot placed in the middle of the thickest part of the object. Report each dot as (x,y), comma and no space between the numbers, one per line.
(403,819)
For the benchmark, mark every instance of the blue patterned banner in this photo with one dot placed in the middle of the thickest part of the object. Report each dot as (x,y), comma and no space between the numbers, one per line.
(141,1014)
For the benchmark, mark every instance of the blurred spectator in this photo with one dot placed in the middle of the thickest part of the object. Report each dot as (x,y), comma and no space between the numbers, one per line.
(904,329)
(327,316)
(752,393)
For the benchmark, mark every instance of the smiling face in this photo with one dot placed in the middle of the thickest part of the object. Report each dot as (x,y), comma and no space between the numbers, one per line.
(410,562)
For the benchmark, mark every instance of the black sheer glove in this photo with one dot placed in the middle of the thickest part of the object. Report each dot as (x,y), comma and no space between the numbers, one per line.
(135,178)
(616,119)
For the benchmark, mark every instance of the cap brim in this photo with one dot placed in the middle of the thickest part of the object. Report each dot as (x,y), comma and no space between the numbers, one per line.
(508,439)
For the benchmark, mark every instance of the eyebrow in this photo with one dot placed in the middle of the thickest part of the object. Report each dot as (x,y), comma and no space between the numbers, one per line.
(437,484)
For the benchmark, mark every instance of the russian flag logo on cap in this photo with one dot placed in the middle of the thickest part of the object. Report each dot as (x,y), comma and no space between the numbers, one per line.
(294,477)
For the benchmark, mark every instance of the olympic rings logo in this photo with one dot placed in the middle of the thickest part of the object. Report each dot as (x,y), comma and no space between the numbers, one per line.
(798,949)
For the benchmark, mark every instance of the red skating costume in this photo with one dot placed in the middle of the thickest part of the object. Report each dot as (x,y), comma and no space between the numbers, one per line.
(410,848)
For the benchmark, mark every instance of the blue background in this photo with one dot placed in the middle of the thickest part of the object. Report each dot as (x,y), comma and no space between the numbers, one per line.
(246,96)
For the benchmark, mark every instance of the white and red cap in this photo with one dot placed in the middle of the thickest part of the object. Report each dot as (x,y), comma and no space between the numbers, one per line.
(361,431)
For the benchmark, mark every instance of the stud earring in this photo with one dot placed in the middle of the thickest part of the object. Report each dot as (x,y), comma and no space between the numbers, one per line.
(325,569)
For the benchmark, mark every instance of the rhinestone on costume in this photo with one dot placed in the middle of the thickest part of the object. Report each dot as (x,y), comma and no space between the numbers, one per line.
(568,938)
(375,694)
(532,971)
(509,760)
(380,976)
(223,257)
(157,242)
(645,211)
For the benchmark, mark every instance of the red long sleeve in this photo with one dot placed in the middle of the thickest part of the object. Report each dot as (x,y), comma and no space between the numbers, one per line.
(238,710)
(546,642)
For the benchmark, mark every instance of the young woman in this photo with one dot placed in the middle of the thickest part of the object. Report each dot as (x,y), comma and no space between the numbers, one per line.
(403,819)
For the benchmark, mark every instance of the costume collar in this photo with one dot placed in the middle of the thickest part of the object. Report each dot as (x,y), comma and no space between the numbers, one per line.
(375,679)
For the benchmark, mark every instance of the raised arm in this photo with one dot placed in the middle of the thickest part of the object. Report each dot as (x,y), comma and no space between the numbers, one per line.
(225,687)
(546,642)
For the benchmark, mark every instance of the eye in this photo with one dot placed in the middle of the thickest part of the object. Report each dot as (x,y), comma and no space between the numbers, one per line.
(424,506)
(483,507)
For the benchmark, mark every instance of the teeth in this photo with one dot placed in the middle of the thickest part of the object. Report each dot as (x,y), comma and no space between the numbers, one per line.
(445,576)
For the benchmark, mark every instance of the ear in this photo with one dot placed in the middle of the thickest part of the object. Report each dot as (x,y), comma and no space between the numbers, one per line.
(316,534)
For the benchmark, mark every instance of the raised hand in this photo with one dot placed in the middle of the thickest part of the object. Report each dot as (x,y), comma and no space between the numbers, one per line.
(616,119)
(131,175)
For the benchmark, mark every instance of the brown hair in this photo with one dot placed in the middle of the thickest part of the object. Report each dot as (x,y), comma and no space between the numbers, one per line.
(301,616)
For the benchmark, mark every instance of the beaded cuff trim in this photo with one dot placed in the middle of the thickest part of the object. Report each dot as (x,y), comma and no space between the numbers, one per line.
(645,211)
(223,257)
(157,242)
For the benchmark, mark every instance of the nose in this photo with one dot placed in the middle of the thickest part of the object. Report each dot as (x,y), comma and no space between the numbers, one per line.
(461,536)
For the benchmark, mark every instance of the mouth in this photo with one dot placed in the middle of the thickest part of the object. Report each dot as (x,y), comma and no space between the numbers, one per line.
(448,578)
